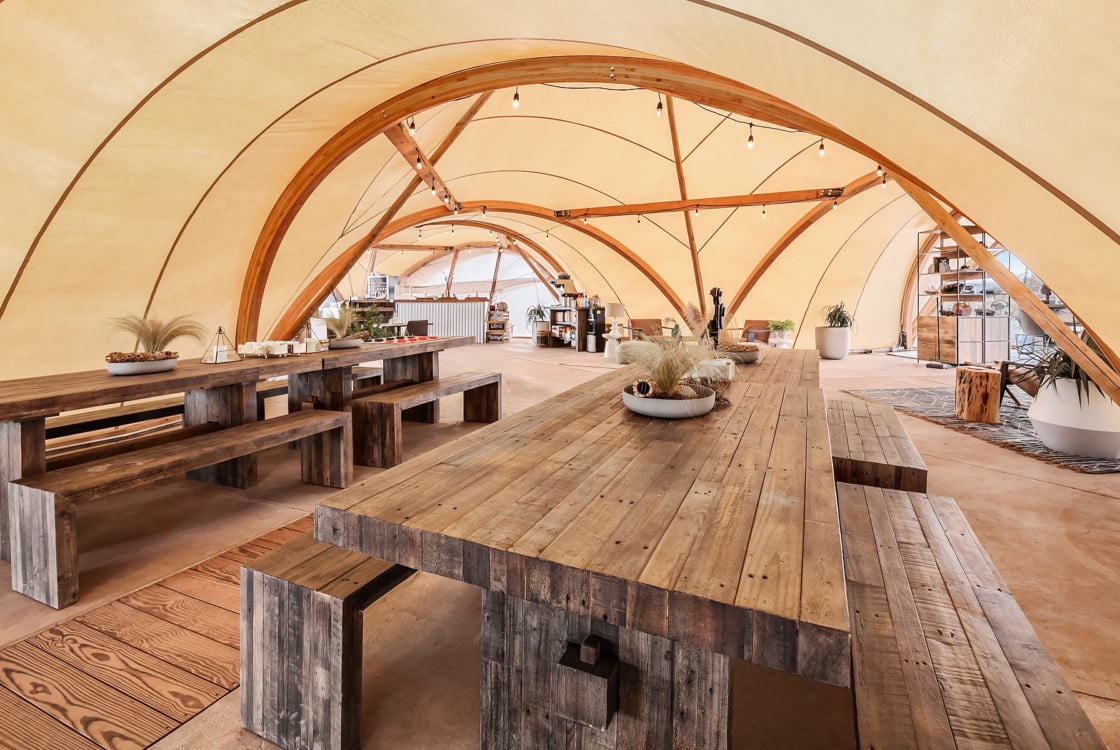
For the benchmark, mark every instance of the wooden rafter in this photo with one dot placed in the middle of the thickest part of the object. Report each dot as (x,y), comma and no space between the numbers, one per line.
(425,168)
(451,272)
(248,316)
(852,189)
(678,162)
(702,204)
(497,265)
(1096,367)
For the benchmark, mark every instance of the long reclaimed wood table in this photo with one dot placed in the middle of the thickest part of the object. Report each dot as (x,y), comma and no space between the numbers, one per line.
(221,393)
(680,543)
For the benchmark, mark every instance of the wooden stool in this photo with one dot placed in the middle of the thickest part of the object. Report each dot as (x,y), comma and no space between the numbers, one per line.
(977,394)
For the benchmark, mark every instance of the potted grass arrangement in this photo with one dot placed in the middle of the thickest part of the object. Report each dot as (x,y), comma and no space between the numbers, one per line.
(153,339)
(1070,412)
(834,338)
(664,389)
(339,325)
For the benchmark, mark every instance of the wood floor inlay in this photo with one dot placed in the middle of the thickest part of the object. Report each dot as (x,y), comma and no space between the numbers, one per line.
(127,673)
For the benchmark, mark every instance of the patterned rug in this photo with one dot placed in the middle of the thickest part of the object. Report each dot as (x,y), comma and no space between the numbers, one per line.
(1014,432)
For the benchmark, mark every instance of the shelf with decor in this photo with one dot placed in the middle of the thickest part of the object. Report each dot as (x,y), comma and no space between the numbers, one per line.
(497,324)
(963,315)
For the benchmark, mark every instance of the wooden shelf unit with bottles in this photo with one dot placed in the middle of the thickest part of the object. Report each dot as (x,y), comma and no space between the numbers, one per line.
(497,325)
(962,315)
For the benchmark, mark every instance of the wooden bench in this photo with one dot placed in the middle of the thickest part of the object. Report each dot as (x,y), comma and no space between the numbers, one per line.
(301,641)
(870,446)
(942,655)
(43,507)
(377,418)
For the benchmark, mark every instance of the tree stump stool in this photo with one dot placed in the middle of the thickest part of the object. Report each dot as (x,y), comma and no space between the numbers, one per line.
(977,395)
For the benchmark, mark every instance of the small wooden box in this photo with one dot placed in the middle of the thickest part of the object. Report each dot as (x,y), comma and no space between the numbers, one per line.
(587,693)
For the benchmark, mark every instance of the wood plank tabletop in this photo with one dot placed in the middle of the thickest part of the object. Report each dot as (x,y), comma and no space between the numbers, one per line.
(42,396)
(720,531)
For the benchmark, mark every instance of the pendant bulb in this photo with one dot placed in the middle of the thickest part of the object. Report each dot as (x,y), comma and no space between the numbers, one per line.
(883,184)
(516,98)
(659,105)
(456,209)
(452,229)
(764,210)
(820,151)
(411,126)
(433,188)
(878,170)
(696,210)
(419,164)
(835,204)
(585,218)
(750,135)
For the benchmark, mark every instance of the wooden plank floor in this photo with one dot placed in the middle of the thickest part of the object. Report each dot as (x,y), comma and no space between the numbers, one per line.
(129,672)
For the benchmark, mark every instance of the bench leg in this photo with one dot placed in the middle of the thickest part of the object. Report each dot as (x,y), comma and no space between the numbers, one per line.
(301,664)
(22,453)
(227,406)
(44,545)
(418,368)
(483,404)
(392,438)
(328,458)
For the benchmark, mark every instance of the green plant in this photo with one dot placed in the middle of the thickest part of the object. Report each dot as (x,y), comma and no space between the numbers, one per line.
(1057,365)
(535,314)
(371,325)
(154,335)
(837,316)
(781,325)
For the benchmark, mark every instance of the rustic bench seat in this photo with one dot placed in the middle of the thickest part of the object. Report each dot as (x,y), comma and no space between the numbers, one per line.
(42,507)
(870,446)
(377,418)
(942,654)
(301,641)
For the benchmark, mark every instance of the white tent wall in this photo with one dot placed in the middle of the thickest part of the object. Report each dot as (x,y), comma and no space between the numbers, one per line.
(227,103)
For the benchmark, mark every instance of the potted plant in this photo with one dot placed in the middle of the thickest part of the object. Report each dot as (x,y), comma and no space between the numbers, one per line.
(340,326)
(664,389)
(834,339)
(779,332)
(1070,413)
(536,318)
(153,337)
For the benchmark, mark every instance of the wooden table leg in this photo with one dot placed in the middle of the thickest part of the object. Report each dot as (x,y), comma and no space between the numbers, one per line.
(669,695)
(417,368)
(23,451)
(327,389)
(228,406)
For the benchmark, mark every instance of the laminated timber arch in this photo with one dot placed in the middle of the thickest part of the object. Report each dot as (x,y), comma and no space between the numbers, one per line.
(330,276)
(664,76)
(310,296)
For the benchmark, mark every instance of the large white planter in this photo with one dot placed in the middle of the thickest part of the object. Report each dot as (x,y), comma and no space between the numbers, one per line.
(1090,427)
(834,343)
(668,408)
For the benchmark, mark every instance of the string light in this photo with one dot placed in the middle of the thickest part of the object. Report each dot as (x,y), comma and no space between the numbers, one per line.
(750,135)
(659,104)
(433,187)
(639,218)
(546,235)
(764,210)
(419,233)
(820,151)
(696,210)
(585,218)
(516,98)
(419,164)
(411,126)
(452,229)
(878,170)
(883,184)
(835,204)
(457,209)
(484,210)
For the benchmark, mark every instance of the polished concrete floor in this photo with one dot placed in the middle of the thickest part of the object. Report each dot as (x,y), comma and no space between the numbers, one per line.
(1054,535)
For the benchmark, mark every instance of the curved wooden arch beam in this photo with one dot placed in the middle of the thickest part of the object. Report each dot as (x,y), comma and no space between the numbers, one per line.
(665,76)
(852,189)
(1097,368)
(307,300)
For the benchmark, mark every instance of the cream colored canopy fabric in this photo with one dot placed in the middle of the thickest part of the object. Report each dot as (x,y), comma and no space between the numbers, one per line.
(147,143)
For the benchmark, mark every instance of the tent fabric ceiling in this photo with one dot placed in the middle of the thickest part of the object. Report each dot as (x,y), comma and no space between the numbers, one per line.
(147,144)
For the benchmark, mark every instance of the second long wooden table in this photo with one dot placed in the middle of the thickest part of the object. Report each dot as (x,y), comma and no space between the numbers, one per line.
(681,543)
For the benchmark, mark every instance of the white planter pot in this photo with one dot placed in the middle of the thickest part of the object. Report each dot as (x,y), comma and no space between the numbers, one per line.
(141,368)
(779,339)
(1090,427)
(668,408)
(833,343)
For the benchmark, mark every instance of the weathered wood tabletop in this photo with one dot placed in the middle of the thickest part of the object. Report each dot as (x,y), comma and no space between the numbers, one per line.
(720,533)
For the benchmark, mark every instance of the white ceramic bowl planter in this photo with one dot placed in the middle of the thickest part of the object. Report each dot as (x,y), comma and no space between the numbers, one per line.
(671,408)
(1089,427)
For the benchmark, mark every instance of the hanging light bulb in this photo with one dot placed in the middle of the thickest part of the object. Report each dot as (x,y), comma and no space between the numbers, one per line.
(546,235)
(433,187)
(639,218)
(764,210)
(419,164)
(516,98)
(659,104)
(402,253)
(457,209)
(419,233)
(750,135)
(484,210)
(696,210)
(835,204)
(820,151)
(452,229)
(585,218)
(878,170)
(883,184)
(411,126)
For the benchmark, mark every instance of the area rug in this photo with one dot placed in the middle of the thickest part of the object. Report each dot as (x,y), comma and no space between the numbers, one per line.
(1014,432)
